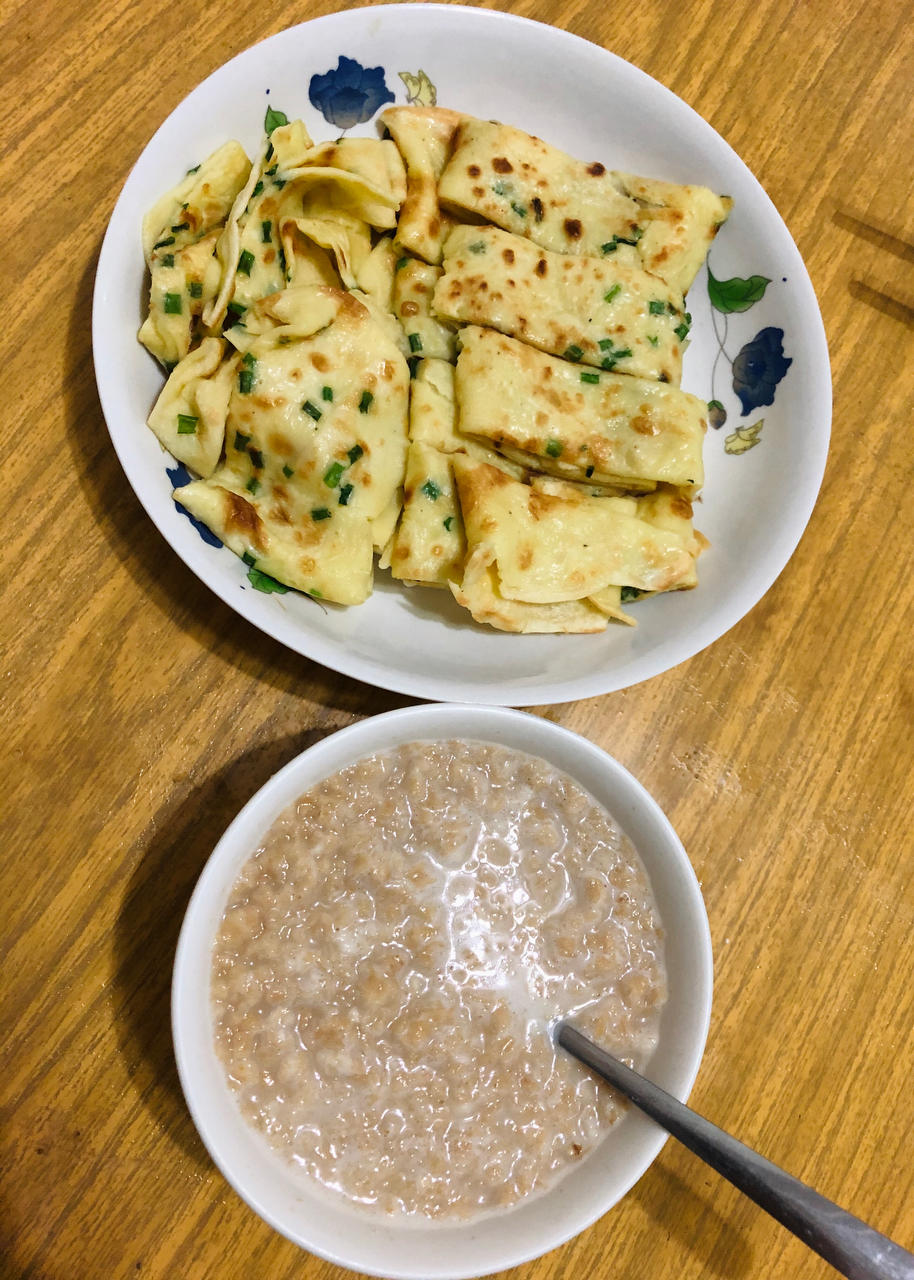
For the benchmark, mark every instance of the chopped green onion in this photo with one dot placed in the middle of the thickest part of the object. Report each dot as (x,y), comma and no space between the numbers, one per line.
(248,360)
(241,441)
(167,260)
(279,183)
(501,188)
(682,331)
(182,226)
(355,453)
(519,209)
(172,304)
(605,344)
(612,245)
(187,425)
(333,474)
(656,307)
(320,513)
(326,393)
(256,459)
(432,490)
(653,339)
(195,169)
(345,495)
(249,560)
(401,263)
(173,364)
(318,595)
(269,156)
(162,244)
(263,582)
(448,521)
(415,342)
(288,472)
(266,231)
(195,288)
(573,352)
(612,293)
(312,410)
(245,381)
(272,170)
(273,119)
(554,448)
(624,353)
(365,402)
(630,593)
(258,188)
(590,377)
(236,308)
(478,246)
(245,262)
(253,484)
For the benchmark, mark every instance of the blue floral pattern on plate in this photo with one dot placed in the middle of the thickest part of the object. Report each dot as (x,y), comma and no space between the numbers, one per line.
(349,94)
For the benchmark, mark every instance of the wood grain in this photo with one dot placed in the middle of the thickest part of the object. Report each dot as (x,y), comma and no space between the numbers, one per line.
(139,713)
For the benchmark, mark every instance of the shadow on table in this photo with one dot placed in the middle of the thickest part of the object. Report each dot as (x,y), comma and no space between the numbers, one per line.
(161,575)
(687,1214)
(172,852)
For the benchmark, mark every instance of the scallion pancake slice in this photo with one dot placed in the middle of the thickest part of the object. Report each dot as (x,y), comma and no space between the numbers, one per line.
(678,224)
(553,548)
(478,591)
(429,545)
(594,311)
(413,289)
(189,415)
(424,136)
(433,417)
(574,422)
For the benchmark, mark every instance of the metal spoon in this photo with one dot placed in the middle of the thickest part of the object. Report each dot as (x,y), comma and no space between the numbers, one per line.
(852,1247)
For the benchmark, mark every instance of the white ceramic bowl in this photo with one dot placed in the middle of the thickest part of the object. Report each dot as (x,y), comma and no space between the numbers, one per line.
(342,1233)
(760,485)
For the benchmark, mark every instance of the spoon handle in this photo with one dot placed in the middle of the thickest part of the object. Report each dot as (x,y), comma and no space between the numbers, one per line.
(852,1247)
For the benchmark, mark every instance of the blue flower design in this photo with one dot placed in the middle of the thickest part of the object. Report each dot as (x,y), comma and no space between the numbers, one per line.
(350,94)
(180,476)
(759,367)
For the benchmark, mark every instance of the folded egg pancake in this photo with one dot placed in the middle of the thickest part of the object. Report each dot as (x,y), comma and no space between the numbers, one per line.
(315,446)
(424,136)
(678,225)
(183,281)
(502,175)
(413,289)
(551,548)
(200,201)
(573,422)
(588,310)
(189,415)
(433,417)
(429,546)
(478,591)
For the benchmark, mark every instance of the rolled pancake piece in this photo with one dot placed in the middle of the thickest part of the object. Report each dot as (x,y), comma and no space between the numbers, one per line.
(424,136)
(587,310)
(413,289)
(429,546)
(200,202)
(679,225)
(576,423)
(189,415)
(516,181)
(182,283)
(315,445)
(552,548)
(433,417)
(479,593)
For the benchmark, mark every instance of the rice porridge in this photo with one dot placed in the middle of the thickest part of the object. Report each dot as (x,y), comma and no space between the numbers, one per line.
(391,958)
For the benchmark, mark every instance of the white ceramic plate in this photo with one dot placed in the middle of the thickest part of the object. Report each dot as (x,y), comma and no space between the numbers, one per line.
(332,1227)
(758,495)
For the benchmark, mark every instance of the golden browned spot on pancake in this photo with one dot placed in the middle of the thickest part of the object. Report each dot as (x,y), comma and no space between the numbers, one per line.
(409,309)
(644,424)
(540,504)
(502,165)
(270,256)
(264,401)
(537,205)
(541,267)
(268,205)
(437,550)
(240,517)
(278,443)
(473,170)
(307,564)
(525,557)
(596,169)
(541,418)
(388,369)
(420,288)
(680,507)
(434,226)
(663,376)
(511,284)
(484,286)
(280,515)
(508,255)
(662,254)
(479,192)
(295,375)
(205,189)
(320,361)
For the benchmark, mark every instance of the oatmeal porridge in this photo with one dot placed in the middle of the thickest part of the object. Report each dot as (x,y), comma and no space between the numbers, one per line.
(392,957)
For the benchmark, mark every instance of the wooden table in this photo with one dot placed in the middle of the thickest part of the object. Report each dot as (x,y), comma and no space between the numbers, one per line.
(139,713)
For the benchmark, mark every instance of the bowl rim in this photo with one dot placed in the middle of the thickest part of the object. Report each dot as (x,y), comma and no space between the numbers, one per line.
(331,650)
(189,1004)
